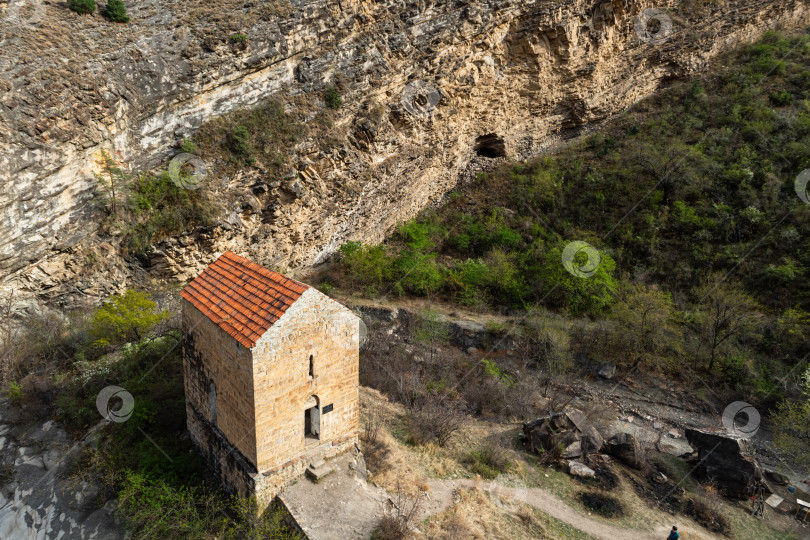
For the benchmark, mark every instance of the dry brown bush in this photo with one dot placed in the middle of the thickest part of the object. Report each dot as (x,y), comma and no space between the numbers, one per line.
(435,419)
(399,515)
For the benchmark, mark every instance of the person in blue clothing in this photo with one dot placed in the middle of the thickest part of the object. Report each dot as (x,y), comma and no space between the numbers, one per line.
(673,535)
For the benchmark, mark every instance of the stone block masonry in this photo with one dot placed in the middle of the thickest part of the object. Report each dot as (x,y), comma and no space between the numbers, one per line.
(271,378)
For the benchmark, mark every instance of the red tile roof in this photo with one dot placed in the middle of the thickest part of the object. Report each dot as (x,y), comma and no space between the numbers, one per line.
(241,297)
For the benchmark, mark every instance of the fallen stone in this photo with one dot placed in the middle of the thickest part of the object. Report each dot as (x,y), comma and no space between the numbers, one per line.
(777,478)
(626,448)
(580,469)
(727,459)
(570,430)
(675,447)
(607,370)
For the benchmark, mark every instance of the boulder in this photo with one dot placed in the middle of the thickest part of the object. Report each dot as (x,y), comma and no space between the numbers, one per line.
(626,448)
(570,429)
(607,370)
(777,478)
(726,459)
(580,469)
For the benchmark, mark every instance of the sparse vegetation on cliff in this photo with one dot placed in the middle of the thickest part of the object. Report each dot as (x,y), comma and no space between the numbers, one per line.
(162,484)
(116,11)
(82,7)
(688,201)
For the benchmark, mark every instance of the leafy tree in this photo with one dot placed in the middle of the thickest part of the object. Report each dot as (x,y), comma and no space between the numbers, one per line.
(579,294)
(645,314)
(127,317)
(116,11)
(433,330)
(792,328)
(724,311)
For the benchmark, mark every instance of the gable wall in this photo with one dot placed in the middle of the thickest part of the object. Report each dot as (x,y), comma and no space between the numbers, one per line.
(315,325)
(210,354)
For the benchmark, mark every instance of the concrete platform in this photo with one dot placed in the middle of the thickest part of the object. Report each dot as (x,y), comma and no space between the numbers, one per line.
(341,506)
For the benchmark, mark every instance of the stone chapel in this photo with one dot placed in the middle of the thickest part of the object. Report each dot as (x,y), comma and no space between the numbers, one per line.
(271,375)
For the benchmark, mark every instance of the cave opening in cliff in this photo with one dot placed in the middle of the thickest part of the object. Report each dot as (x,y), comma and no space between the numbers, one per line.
(490,146)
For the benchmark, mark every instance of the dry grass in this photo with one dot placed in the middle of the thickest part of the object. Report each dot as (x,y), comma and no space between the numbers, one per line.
(475,515)
(388,464)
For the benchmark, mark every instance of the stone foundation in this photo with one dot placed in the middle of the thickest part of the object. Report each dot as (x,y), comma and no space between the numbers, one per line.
(239,476)
(236,473)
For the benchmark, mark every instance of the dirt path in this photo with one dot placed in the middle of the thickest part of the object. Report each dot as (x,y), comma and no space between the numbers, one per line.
(545,501)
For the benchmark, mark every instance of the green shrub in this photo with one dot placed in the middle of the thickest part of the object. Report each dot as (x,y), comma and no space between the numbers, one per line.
(163,208)
(332,97)
(82,7)
(579,294)
(116,11)
(366,265)
(239,38)
(489,460)
(421,275)
(155,508)
(188,146)
(14,392)
(781,98)
(239,143)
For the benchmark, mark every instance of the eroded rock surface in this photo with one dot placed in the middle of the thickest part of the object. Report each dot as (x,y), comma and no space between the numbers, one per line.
(39,499)
(499,77)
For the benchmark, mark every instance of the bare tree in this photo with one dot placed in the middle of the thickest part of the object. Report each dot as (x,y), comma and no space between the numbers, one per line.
(113,179)
(725,312)
(399,514)
(434,418)
(373,421)
(10,339)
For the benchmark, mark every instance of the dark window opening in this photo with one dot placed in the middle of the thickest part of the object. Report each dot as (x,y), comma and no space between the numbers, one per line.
(490,146)
(311,367)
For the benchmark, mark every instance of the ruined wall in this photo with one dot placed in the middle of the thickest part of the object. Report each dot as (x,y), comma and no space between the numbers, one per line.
(318,326)
(210,354)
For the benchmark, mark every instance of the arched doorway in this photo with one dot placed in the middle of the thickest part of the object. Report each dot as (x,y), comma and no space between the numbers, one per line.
(312,420)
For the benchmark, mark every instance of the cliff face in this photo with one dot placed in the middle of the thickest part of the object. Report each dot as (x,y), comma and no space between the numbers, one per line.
(425,84)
